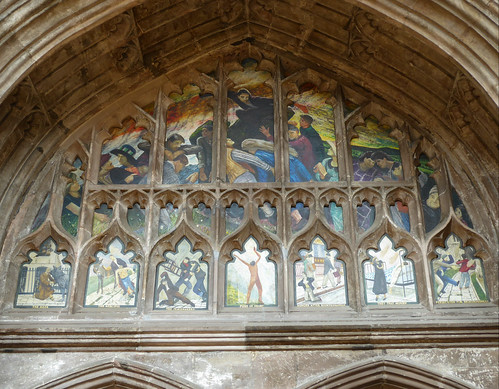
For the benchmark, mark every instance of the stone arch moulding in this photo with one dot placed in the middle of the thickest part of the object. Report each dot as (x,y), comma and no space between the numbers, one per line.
(120,373)
(74,21)
(380,372)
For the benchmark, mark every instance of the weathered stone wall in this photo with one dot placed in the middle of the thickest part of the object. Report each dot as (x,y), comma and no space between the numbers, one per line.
(470,367)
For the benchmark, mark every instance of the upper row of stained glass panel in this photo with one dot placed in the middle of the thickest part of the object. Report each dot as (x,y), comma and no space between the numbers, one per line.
(250,149)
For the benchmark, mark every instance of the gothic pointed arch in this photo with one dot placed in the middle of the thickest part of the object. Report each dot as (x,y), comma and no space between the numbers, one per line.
(382,372)
(119,372)
(212,173)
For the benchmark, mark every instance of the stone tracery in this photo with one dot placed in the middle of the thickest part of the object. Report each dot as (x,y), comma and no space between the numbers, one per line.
(412,132)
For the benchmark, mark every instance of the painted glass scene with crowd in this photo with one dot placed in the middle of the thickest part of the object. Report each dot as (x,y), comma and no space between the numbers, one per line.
(317,172)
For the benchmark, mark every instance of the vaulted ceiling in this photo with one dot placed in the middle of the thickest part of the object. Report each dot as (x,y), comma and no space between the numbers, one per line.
(433,62)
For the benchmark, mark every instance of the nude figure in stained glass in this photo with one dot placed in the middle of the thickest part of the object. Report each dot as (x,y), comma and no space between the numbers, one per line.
(254,277)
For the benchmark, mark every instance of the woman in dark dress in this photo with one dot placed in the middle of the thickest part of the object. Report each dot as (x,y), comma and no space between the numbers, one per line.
(379,286)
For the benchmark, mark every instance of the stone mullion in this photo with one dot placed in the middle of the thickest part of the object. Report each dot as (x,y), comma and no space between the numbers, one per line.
(84,231)
(342,149)
(155,178)
(349,229)
(281,169)
(218,139)
(281,173)
(155,146)
(147,241)
(216,167)
(417,227)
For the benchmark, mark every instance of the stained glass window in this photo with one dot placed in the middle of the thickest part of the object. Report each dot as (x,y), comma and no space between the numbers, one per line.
(320,277)
(250,278)
(270,191)
(458,274)
(112,280)
(182,280)
(44,281)
(389,277)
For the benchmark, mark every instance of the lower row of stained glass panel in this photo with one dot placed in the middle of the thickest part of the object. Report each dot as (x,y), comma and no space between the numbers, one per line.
(319,277)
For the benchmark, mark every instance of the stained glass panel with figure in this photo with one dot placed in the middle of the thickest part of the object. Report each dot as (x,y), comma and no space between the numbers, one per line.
(320,277)
(44,280)
(202,217)
(366,214)
(429,194)
(168,217)
(182,280)
(312,138)
(42,213)
(250,278)
(334,216)
(268,217)
(389,277)
(458,274)
(112,280)
(233,218)
(102,219)
(136,218)
(189,134)
(71,205)
(375,153)
(125,156)
(299,214)
(460,209)
(250,131)
(400,215)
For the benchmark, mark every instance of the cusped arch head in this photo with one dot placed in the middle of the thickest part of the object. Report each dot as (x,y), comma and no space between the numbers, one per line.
(399,238)
(236,241)
(104,238)
(234,196)
(331,239)
(455,231)
(302,196)
(104,243)
(267,195)
(108,197)
(182,231)
(168,196)
(135,197)
(47,231)
(231,199)
(374,112)
(195,198)
(334,194)
(311,80)
(248,56)
(181,86)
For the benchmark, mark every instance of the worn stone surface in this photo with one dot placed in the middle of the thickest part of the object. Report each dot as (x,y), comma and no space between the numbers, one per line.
(475,367)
